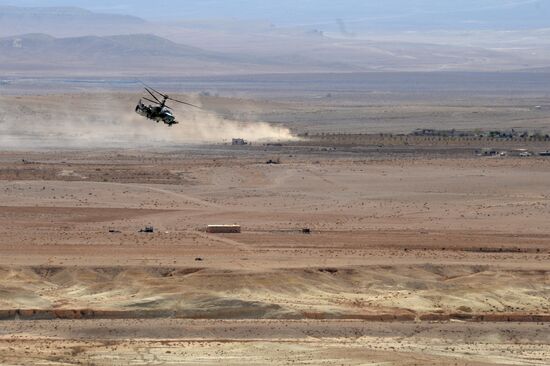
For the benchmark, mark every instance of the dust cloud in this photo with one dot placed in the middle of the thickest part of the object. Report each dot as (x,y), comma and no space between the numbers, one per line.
(100,123)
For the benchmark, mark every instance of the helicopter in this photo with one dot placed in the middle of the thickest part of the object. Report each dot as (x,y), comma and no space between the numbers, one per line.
(159,111)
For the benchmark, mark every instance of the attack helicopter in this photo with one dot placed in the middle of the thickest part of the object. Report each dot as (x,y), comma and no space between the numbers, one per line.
(159,111)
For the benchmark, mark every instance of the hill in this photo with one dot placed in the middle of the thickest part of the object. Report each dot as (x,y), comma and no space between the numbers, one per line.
(40,53)
(64,21)
(139,54)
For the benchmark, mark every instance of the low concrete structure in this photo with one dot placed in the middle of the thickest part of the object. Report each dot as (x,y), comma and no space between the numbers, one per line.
(223,229)
(239,142)
(148,229)
(488,152)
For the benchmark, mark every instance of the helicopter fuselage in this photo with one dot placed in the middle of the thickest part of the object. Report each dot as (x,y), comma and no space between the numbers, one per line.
(159,111)
(156,113)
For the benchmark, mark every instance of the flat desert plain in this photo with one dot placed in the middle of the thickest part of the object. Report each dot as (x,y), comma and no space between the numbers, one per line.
(418,258)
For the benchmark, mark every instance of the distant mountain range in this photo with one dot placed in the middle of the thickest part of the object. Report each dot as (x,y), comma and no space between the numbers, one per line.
(146,54)
(73,41)
(378,15)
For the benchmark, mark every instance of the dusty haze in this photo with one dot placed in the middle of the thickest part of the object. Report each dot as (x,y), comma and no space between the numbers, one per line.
(106,121)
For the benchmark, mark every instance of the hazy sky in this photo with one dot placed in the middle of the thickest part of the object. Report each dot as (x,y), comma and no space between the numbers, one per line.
(400,13)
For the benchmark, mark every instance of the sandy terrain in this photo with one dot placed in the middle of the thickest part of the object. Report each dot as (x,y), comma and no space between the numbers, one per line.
(406,241)
(423,258)
(197,342)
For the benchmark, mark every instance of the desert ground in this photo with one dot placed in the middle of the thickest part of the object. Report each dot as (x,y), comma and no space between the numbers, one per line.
(417,255)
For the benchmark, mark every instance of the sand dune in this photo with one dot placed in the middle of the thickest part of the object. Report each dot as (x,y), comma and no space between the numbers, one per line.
(324,293)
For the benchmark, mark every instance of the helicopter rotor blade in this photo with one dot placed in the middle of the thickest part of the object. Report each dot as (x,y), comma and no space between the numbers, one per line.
(154,97)
(150,90)
(152,101)
(156,91)
(186,103)
(159,93)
